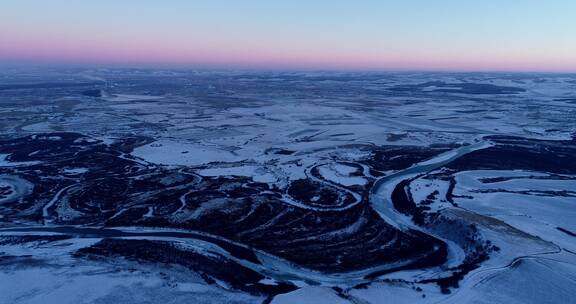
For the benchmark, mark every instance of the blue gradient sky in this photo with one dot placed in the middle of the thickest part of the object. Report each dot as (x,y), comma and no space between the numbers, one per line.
(516,35)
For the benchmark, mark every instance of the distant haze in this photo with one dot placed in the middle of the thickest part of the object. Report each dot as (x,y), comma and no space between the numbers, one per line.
(459,35)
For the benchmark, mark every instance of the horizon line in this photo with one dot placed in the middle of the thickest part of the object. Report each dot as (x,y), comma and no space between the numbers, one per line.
(254,68)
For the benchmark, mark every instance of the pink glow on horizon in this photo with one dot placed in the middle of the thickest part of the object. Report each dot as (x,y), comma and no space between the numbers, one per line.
(99,50)
(487,35)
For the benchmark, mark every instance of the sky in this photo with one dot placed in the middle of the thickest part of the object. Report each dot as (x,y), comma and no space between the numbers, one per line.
(444,35)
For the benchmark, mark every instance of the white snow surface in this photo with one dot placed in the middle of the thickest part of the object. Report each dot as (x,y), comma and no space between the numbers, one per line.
(167,152)
(340,174)
(311,294)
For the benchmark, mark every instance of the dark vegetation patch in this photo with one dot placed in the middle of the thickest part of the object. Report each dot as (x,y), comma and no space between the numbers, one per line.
(285,152)
(210,267)
(568,232)
(23,239)
(569,100)
(392,137)
(93,93)
(515,153)
(461,88)
(388,158)
(47,85)
(436,254)
(315,194)
(118,192)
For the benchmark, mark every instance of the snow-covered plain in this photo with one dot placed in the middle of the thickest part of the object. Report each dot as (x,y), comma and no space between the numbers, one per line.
(265,132)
